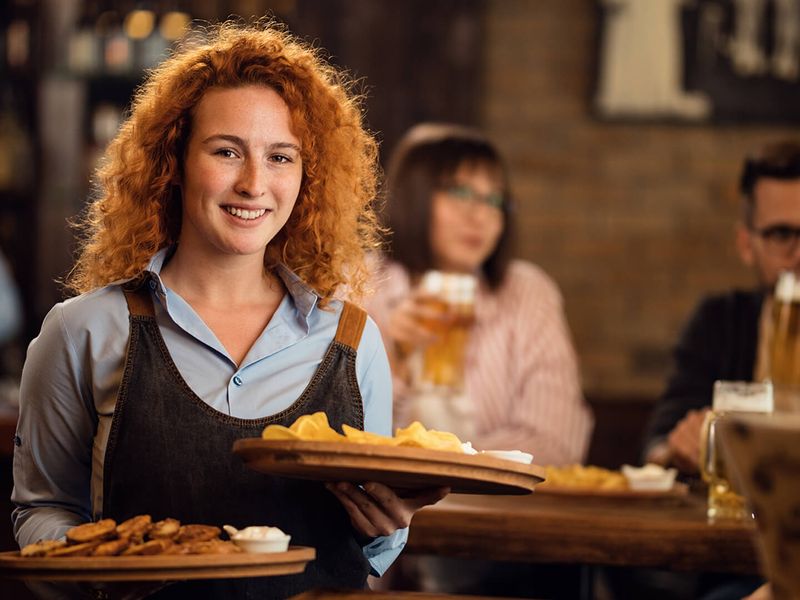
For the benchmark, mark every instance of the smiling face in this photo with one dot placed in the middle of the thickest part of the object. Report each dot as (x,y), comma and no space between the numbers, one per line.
(241,174)
(466,225)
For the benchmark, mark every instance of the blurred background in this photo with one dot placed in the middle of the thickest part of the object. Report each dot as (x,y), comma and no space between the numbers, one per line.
(624,122)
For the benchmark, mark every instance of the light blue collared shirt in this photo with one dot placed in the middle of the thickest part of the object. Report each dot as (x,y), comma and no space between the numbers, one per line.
(74,367)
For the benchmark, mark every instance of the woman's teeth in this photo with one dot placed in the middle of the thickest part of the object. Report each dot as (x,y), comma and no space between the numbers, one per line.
(245,214)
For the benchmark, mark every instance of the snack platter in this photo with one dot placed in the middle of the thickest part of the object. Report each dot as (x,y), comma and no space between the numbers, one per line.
(399,467)
(677,491)
(155,568)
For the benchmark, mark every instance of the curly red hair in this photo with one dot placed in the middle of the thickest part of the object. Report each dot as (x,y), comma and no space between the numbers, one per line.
(137,209)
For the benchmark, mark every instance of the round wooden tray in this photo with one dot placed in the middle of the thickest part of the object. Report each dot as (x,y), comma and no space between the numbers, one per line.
(678,491)
(168,567)
(399,467)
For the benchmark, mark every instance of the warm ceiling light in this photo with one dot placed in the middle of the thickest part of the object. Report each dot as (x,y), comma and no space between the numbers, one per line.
(139,24)
(174,24)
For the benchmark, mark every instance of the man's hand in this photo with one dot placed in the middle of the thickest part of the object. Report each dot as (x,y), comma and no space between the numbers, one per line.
(376,510)
(684,441)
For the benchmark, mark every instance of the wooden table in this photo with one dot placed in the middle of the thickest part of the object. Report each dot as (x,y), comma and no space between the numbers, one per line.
(548,528)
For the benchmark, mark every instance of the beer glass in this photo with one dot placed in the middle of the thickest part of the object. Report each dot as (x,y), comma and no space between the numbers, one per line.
(730,397)
(440,365)
(784,347)
(765,461)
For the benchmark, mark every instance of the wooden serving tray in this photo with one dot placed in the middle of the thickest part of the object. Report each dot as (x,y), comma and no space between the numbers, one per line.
(399,467)
(679,490)
(167,567)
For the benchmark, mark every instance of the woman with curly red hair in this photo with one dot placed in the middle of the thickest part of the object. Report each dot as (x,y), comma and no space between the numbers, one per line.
(233,209)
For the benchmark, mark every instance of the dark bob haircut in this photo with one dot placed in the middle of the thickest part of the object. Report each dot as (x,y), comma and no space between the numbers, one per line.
(425,159)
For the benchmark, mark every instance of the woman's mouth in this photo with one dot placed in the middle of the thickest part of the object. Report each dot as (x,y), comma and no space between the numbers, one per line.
(247,215)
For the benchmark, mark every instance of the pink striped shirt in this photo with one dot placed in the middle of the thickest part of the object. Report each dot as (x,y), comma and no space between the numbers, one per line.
(522,378)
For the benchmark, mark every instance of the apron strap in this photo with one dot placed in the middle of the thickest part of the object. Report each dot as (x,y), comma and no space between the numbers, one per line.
(351,325)
(137,295)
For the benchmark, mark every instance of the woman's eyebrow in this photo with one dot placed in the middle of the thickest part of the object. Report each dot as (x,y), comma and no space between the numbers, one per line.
(240,142)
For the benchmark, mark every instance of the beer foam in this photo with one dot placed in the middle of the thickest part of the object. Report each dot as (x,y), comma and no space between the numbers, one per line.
(787,288)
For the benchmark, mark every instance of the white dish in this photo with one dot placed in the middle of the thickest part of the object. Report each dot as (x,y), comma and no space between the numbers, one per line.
(513,455)
(259,539)
(649,478)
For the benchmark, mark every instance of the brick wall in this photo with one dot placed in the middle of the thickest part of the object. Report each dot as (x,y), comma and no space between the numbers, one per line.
(634,221)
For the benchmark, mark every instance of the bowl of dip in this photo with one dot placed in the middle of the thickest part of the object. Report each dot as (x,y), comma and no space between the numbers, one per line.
(259,538)
(512,455)
(649,478)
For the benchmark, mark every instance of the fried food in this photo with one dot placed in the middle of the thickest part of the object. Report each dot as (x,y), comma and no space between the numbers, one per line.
(168,528)
(315,427)
(84,549)
(137,536)
(416,435)
(90,532)
(306,427)
(197,533)
(42,547)
(215,546)
(112,547)
(586,477)
(157,546)
(135,528)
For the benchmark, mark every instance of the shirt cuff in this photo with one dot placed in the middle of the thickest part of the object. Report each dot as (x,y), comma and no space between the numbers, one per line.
(382,551)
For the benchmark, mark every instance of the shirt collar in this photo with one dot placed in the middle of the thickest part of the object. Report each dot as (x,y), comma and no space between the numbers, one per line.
(304,298)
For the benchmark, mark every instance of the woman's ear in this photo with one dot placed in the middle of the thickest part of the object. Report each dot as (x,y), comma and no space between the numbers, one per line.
(744,244)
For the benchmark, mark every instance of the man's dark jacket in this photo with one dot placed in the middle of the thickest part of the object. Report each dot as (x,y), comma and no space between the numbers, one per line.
(718,342)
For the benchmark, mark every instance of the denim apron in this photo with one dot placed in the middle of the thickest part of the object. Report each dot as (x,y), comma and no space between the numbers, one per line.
(169,455)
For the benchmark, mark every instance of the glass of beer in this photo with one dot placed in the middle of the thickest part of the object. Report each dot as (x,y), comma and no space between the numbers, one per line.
(725,501)
(784,347)
(765,461)
(440,366)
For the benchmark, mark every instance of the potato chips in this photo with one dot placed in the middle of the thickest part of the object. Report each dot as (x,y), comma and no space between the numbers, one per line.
(315,427)
(584,477)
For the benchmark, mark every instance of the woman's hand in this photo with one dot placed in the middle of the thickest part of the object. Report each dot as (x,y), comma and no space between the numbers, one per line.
(376,510)
(415,319)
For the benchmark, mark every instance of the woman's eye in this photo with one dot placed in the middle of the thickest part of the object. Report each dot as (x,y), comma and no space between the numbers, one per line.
(226,153)
(281,158)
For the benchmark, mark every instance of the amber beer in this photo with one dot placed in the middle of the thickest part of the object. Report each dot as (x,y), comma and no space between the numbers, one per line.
(724,500)
(784,347)
(441,364)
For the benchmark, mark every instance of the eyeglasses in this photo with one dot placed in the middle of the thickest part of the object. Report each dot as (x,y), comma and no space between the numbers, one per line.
(780,238)
(466,195)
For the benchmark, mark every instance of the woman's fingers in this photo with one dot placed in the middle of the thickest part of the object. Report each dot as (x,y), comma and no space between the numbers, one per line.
(377,510)
(366,516)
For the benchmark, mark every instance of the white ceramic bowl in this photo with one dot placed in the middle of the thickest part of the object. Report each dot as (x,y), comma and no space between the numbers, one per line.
(258,546)
(513,455)
(650,478)
(259,538)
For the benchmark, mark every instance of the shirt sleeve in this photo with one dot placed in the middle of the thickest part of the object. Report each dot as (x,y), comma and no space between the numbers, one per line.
(691,382)
(550,418)
(375,383)
(53,444)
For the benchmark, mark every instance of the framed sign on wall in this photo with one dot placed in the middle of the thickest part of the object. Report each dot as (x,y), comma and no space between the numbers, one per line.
(699,60)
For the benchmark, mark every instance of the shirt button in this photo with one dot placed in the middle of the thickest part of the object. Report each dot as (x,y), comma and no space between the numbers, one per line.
(237,381)
(153,284)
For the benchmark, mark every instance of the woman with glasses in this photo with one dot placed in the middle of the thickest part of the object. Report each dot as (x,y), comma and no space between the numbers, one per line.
(449,208)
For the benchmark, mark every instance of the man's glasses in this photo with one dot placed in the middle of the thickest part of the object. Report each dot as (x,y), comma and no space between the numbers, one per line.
(466,195)
(779,239)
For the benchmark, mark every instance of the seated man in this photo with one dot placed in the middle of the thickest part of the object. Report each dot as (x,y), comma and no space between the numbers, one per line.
(726,338)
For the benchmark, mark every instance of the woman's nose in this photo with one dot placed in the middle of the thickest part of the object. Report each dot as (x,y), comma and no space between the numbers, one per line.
(252,181)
